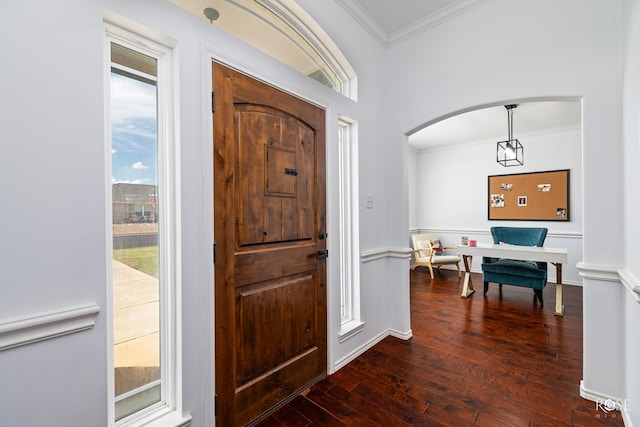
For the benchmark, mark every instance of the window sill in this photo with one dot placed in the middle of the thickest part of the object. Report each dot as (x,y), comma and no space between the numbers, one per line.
(155,419)
(349,329)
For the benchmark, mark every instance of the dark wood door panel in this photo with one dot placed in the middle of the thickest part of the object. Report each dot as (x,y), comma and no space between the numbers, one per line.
(278,385)
(279,318)
(269,209)
(275,175)
(268,263)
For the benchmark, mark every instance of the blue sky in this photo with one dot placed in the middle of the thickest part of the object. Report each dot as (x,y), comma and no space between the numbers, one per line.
(134,132)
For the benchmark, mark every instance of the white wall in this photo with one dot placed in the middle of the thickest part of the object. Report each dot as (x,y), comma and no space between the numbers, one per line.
(452,191)
(413,189)
(52,220)
(631,128)
(503,51)
(54,215)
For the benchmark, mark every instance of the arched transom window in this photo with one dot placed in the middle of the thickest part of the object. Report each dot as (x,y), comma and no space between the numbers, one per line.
(282,29)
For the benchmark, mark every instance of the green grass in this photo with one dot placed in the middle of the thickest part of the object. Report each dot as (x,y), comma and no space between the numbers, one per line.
(143,259)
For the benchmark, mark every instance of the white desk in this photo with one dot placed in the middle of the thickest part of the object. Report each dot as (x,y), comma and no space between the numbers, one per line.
(556,256)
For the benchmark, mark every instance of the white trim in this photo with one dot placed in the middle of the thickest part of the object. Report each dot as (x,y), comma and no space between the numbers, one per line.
(344,361)
(631,282)
(350,329)
(376,254)
(401,335)
(605,273)
(386,39)
(43,326)
(486,232)
(270,78)
(167,412)
(108,230)
(303,24)
(163,417)
(434,19)
(595,396)
(349,226)
(207,285)
(364,18)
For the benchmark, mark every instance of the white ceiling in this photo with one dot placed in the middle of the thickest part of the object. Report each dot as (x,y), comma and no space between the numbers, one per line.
(531,118)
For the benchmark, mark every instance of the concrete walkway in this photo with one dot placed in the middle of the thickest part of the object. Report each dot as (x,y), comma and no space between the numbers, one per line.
(136,317)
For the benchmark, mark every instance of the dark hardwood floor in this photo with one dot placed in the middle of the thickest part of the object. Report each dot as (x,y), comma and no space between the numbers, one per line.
(494,360)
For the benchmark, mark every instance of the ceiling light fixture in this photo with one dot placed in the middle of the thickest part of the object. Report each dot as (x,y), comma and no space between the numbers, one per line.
(211,14)
(510,152)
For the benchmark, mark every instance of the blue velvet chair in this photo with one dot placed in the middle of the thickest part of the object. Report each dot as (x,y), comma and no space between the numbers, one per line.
(515,272)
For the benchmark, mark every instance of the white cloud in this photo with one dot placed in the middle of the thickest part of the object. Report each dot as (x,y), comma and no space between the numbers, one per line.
(131,99)
(138,165)
(135,181)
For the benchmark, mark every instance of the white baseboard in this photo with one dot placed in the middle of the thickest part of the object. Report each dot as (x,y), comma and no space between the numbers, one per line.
(606,401)
(366,346)
(402,335)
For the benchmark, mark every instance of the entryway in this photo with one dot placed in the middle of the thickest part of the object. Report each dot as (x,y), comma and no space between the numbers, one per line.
(269,228)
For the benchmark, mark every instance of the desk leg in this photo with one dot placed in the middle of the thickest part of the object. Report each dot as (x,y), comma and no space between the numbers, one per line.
(559,302)
(467,289)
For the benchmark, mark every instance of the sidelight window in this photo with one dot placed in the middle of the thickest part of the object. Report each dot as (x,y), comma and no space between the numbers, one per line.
(142,176)
(349,230)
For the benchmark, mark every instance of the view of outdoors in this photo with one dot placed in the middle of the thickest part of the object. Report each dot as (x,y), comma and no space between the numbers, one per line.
(136,293)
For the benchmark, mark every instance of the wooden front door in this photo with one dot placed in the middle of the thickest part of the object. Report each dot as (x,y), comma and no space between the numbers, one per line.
(269,229)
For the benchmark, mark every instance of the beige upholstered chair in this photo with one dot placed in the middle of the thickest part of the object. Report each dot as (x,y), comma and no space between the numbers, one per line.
(429,252)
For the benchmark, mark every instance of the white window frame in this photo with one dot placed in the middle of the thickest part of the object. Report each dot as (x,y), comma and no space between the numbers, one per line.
(349,234)
(288,18)
(297,18)
(167,412)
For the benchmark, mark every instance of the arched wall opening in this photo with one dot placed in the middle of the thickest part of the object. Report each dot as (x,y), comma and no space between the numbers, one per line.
(451,157)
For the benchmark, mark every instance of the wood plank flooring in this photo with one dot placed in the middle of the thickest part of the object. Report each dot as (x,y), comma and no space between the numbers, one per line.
(494,360)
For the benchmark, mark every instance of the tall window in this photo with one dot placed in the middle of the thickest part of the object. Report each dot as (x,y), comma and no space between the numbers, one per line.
(143,253)
(349,230)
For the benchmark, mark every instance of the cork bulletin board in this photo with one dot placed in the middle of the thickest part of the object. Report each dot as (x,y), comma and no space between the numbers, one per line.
(534,196)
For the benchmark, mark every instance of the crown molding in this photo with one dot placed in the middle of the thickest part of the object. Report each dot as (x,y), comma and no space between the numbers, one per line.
(360,14)
(373,27)
(432,20)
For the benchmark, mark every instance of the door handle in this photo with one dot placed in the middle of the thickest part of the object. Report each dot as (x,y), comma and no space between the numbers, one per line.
(323,254)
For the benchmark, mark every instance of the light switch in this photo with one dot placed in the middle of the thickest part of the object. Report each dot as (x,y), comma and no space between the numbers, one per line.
(369,202)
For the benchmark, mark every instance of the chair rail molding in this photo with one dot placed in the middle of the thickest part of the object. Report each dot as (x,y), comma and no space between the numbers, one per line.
(42,326)
(375,254)
(608,273)
(486,232)
(631,282)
